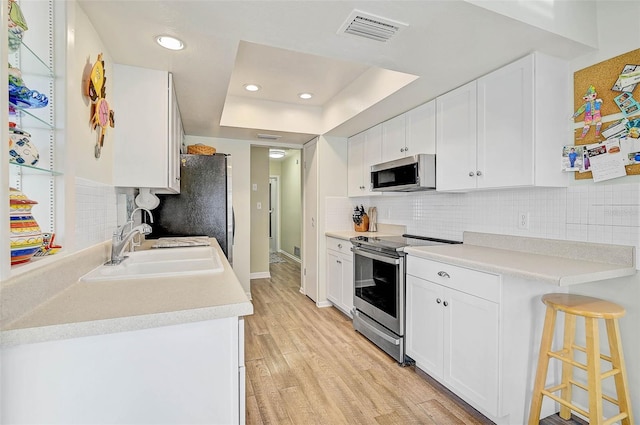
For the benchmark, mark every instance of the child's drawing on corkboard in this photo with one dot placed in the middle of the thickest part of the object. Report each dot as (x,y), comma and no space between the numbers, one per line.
(591,110)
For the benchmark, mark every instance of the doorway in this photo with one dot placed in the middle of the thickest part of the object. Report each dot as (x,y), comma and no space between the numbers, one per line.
(274,214)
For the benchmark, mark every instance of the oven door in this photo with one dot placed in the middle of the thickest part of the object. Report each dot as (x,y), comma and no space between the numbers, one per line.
(379,288)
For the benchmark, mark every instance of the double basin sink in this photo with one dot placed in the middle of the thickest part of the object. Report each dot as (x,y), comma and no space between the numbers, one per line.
(160,263)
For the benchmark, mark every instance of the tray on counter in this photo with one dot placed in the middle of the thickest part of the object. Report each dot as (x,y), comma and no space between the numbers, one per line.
(181,241)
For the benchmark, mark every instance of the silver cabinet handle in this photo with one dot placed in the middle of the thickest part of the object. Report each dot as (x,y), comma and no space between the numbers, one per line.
(471,174)
(443,274)
(401,149)
(446,303)
(338,261)
(406,149)
(340,245)
(478,173)
(438,300)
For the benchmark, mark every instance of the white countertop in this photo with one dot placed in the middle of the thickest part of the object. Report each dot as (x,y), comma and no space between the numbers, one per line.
(483,252)
(93,308)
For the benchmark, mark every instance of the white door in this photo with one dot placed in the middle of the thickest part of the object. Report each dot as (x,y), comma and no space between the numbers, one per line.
(310,221)
(471,347)
(505,126)
(456,139)
(424,325)
(355,154)
(274,214)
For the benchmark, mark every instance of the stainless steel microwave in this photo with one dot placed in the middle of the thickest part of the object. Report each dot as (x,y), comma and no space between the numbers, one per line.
(408,174)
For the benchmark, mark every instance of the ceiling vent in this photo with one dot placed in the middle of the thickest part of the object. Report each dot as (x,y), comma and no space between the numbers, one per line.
(269,136)
(371,26)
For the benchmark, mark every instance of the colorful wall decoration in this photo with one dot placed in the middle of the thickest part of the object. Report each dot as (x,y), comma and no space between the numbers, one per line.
(95,89)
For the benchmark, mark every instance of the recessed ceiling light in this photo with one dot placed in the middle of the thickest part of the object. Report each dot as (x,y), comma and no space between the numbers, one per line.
(276,153)
(251,87)
(169,42)
(305,95)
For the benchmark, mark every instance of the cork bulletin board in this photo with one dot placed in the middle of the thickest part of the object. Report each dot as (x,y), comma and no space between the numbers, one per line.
(603,76)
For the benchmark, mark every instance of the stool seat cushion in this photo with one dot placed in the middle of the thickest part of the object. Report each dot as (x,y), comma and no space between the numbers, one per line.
(581,305)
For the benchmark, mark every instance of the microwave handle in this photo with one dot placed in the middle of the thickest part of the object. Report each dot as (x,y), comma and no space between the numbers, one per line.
(377,257)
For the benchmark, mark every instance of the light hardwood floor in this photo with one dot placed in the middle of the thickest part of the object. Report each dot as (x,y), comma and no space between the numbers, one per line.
(306,365)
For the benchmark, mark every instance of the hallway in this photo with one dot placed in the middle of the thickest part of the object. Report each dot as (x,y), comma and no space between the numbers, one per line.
(306,365)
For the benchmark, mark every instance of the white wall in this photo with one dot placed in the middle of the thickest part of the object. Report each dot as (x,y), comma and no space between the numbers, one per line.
(90,199)
(240,151)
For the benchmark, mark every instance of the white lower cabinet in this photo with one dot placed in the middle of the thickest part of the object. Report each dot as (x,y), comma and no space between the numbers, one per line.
(186,373)
(453,336)
(477,333)
(340,274)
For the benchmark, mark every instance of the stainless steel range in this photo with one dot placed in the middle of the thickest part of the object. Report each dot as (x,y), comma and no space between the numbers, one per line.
(379,295)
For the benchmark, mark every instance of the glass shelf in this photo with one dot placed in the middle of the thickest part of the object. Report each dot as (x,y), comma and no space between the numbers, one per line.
(26,58)
(25,113)
(31,170)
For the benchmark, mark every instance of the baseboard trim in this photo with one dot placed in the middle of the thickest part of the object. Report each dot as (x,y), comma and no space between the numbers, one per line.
(260,275)
(292,257)
(324,304)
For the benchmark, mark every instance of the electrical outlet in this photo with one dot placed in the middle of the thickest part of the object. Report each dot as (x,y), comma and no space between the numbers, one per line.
(523,220)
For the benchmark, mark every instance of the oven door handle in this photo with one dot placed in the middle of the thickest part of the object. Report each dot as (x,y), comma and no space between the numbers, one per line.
(378,257)
(383,335)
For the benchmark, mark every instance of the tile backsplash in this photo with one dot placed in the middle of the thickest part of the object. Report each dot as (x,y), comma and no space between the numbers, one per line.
(605,213)
(96,217)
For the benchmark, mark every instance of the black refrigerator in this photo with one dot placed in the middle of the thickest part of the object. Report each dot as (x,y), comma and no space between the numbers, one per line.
(203,206)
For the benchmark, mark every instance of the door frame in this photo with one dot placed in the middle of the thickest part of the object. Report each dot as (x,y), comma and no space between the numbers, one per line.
(275,225)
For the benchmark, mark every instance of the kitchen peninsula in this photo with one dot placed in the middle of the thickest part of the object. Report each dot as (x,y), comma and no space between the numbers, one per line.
(129,351)
(474,317)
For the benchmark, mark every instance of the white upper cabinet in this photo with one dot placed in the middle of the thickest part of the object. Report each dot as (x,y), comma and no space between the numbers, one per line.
(456,139)
(420,133)
(505,129)
(409,134)
(148,132)
(364,150)
(393,138)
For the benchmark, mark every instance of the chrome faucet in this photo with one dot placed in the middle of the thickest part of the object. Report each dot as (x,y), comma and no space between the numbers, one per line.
(135,242)
(119,241)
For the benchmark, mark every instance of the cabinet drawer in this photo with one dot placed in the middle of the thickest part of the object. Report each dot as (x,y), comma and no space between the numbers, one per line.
(339,245)
(480,284)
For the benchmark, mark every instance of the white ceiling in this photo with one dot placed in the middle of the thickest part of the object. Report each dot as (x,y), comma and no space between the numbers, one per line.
(292,46)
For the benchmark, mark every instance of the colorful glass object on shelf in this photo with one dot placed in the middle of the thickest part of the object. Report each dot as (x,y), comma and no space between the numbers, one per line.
(17,26)
(20,95)
(48,247)
(26,237)
(21,149)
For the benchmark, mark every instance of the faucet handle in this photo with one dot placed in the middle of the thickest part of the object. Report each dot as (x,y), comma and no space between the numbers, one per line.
(119,231)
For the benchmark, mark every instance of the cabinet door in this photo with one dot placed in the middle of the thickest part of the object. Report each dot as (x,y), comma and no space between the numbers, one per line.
(456,139)
(421,129)
(347,283)
(141,100)
(175,141)
(505,126)
(471,347)
(355,155)
(334,277)
(424,325)
(371,155)
(393,138)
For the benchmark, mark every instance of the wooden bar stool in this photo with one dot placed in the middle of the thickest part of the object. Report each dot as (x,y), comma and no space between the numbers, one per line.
(591,309)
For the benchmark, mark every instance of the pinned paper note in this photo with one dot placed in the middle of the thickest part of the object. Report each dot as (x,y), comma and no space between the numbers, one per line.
(630,149)
(572,158)
(627,104)
(606,160)
(628,79)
